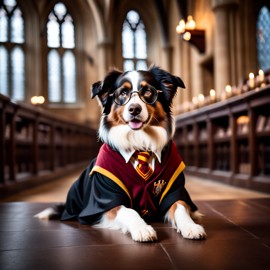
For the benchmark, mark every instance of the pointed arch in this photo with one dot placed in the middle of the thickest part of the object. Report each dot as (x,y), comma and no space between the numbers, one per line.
(134,42)
(61,60)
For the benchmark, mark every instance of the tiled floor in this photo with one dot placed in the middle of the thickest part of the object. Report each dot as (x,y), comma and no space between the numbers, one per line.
(238,238)
(237,222)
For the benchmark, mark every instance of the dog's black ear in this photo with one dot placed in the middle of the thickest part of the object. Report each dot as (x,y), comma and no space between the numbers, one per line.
(168,82)
(104,88)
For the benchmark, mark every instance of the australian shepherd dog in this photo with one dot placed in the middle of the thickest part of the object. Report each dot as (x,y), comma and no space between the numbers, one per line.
(137,176)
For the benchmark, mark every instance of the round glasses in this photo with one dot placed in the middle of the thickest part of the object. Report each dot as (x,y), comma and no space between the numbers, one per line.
(148,94)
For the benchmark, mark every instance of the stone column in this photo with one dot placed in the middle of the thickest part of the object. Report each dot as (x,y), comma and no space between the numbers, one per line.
(224,63)
(167,59)
(105,59)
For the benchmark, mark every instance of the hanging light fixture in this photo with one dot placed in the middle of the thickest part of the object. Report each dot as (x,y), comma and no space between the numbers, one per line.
(188,32)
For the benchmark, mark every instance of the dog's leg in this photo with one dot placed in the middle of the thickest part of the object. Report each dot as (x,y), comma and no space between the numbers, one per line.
(179,216)
(53,212)
(128,221)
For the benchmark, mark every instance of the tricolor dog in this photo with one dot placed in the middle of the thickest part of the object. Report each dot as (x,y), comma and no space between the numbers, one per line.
(138,174)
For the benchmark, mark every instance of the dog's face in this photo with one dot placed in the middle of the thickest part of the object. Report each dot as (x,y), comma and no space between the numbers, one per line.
(137,108)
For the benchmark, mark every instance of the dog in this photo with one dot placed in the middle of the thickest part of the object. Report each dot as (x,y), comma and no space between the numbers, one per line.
(138,174)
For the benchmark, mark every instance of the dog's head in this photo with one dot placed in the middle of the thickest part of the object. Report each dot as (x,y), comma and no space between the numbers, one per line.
(137,108)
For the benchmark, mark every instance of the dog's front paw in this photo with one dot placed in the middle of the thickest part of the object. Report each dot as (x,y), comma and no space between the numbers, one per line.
(192,231)
(143,233)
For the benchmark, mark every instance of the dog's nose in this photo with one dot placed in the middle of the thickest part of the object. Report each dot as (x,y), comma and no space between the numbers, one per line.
(134,109)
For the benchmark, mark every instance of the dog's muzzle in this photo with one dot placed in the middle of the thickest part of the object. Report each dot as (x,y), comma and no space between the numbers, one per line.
(134,110)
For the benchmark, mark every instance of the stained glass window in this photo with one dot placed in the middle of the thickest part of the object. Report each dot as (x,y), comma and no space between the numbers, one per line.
(17,72)
(61,56)
(16,22)
(69,77)
(3,71)
(134,45)
(263,38)
(54,77)
(3,25)
(12,66)
(53,40)
(68,33)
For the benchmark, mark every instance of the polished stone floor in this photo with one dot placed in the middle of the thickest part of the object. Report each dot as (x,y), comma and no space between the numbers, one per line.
(238,238)
(237,223)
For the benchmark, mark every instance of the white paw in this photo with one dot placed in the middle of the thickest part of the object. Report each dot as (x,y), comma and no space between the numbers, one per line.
(46,214)
(192,231)
(143,233)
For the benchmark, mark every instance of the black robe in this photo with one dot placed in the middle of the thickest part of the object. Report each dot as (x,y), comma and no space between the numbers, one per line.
(96,191)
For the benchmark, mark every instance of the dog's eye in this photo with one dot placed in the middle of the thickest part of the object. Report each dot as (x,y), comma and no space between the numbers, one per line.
(148,93)
(123,93)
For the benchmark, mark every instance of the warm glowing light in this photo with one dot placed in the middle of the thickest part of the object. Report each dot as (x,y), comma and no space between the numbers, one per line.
(37,100)
(187,36)
(251,82)
(190,25)
(41,99)
(201,97)
(212,93)
(261,75)
(251,75)
(195,100)
(228,88)
(181,27)
(187,29)
(34,100)
(243,119)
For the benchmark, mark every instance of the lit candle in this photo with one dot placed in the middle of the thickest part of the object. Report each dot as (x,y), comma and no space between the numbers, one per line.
(212,95)
(251,82)
(228,89)
(261,76)
(201,99)
(195,102)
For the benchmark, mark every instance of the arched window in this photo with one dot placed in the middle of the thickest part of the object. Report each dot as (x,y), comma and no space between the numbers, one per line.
(263,38)
(61,56)
(134,45)
(12,67)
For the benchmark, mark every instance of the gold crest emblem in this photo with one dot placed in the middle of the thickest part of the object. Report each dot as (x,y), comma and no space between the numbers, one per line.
(157,188)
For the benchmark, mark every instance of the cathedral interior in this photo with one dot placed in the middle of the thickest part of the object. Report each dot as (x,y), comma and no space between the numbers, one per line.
(52,52)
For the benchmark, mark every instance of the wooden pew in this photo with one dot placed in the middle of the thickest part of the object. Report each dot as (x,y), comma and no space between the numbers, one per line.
(37,146)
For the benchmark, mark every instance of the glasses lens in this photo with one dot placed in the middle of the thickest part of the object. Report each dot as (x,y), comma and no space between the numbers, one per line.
(148,94)
(121,96)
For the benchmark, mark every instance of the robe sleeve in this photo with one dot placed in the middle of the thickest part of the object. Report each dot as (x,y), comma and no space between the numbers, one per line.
(91,196)
(176,192)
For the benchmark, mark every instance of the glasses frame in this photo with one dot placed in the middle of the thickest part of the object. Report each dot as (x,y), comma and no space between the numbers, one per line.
(138,92)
